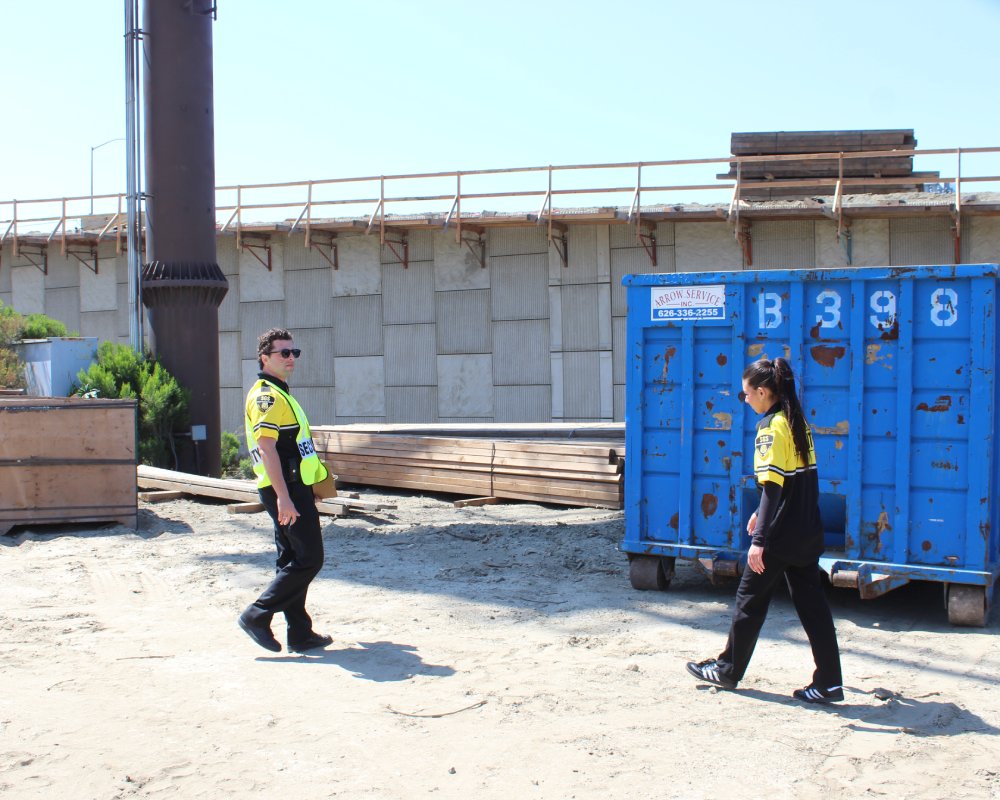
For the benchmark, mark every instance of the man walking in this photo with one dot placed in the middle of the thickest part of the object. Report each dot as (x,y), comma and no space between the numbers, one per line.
(287,467)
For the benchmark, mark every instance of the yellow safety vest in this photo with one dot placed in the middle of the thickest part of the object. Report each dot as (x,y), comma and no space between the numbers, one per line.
(311,470)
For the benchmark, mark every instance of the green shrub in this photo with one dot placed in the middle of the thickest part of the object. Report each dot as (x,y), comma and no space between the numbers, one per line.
(230,455)
(163,404)
(232,465)
(39,326)
(13,328)
(11,367)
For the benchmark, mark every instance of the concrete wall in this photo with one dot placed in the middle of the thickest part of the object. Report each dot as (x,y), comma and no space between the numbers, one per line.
(522,337)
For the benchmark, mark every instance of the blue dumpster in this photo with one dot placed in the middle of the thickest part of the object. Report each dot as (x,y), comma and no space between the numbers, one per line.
(896,367)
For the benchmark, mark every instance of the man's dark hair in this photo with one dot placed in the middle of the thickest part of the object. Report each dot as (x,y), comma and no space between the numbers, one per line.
(266,339)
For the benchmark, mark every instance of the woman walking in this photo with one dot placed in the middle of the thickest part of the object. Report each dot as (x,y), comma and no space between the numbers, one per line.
(786,539)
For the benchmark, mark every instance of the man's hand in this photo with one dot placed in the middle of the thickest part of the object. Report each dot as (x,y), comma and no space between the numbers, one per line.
(755,558)
(287,513)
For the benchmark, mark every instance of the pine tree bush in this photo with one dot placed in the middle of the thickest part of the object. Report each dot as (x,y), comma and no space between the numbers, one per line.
(11,367)
(163,404)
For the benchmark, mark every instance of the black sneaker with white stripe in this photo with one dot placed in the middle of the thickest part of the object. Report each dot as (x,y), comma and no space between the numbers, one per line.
(708,671)
(813,694)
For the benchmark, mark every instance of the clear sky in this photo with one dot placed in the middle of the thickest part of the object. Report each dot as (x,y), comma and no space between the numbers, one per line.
(325,88)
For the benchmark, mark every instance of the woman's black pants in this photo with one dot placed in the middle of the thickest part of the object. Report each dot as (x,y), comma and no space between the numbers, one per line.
(752,601)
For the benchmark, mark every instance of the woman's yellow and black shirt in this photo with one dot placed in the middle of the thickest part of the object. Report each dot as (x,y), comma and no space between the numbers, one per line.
(795,532)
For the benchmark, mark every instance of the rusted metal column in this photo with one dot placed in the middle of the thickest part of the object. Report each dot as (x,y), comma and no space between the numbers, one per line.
(182,283)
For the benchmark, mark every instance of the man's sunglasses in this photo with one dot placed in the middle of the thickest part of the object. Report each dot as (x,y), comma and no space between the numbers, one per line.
(285,352)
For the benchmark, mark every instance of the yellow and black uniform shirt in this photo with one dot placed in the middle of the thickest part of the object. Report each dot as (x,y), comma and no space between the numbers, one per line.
(796,531)
(272,417)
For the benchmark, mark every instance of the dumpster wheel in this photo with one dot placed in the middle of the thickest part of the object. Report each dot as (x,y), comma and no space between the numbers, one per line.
(967,605)
(650,572)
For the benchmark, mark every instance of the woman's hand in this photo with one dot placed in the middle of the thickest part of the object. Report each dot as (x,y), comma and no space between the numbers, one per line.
(755,558)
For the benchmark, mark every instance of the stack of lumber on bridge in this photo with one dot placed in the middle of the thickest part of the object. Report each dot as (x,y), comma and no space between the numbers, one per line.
(891,170)
(565,464)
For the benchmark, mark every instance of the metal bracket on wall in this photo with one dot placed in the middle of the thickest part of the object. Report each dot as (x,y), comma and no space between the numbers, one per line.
(31,253)
(317,241)
(559,240)
(476,245)
(744,237)
(400,249)
(85,256)
(255,244)
(956,211)
(645,232)
(846,239)
(556,230)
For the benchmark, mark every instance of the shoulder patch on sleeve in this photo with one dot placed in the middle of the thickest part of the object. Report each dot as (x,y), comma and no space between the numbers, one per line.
(764,443)
(264,402)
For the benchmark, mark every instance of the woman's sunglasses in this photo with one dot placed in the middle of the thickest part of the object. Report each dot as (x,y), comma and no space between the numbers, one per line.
(285,352)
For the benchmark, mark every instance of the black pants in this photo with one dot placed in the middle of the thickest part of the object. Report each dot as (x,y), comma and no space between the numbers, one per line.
(752,601)
(300,558)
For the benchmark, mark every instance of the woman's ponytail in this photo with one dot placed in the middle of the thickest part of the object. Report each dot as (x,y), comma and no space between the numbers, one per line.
(777,376)
(784,382)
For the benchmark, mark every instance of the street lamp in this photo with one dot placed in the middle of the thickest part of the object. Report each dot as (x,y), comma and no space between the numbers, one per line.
(92,149)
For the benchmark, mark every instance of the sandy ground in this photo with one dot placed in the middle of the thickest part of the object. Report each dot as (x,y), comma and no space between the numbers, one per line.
(478,653)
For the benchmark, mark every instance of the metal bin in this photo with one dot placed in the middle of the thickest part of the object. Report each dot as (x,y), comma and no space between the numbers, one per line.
(897,374)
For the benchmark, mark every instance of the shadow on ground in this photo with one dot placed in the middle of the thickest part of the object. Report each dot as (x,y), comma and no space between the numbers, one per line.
(371,661)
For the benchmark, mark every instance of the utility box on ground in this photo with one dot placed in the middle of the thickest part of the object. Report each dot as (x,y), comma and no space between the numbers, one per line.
(51,365)
(67,460)
(897,375)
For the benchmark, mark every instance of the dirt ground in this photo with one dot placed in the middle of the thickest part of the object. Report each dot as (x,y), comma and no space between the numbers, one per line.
(488,652)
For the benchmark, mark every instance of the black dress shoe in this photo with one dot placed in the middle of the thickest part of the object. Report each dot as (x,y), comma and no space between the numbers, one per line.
(312,642)
(261,634)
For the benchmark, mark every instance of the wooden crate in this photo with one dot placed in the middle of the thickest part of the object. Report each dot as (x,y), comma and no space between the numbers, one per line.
(67,460)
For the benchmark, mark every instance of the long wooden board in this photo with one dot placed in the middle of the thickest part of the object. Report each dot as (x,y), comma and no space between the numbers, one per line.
(236,490)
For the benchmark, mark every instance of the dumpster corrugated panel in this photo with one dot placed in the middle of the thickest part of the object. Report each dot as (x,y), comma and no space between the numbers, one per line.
(896,368)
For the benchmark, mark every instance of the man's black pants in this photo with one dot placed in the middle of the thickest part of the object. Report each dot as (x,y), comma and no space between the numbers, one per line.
(752,601)
(300,558)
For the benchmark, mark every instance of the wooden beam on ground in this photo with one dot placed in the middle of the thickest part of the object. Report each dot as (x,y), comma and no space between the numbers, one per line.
(161,496)
(245,508)
(477,501)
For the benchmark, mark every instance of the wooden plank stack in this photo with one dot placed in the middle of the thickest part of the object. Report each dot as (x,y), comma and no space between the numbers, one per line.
(543,470)
(895,164)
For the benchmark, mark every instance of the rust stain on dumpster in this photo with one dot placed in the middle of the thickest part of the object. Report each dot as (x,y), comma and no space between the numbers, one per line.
(709,503)
(943,403)
(890,332)
(842,428)
(874,355)
(724,420)
(721,360)
(755,349)
(827,356)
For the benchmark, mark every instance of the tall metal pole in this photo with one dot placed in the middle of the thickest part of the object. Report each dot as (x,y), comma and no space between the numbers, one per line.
(133,158)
